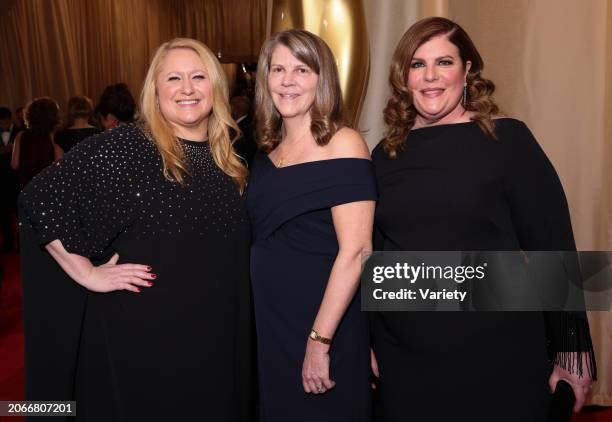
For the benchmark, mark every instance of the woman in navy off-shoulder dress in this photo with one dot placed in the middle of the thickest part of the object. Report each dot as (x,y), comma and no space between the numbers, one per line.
(310,199)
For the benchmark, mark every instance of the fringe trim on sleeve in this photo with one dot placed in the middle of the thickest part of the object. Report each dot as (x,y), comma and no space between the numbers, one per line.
(572,349)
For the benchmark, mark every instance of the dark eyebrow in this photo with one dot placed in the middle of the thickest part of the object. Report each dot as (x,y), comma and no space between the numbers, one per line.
(437,58)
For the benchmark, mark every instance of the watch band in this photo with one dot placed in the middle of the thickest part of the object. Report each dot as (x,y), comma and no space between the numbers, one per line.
(317,337)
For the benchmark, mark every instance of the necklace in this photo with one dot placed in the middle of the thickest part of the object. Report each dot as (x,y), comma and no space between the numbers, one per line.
(284,156)
(298,147)
(284,159)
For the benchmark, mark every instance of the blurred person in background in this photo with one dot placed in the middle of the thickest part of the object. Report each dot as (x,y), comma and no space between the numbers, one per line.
(245,146)
(19,119)
(8,179)
(77,127)
(34,148)
(116,106)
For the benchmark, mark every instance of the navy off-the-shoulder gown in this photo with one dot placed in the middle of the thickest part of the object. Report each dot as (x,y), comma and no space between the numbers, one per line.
(293,251)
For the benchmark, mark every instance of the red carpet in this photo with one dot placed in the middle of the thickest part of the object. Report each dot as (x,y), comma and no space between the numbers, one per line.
(11,344)
(11,333)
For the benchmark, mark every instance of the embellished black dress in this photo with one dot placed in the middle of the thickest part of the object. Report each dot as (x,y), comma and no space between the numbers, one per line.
(293,251)
(180,350)
(453,188)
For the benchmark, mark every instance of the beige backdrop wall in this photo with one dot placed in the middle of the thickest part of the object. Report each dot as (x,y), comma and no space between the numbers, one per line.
(386,21)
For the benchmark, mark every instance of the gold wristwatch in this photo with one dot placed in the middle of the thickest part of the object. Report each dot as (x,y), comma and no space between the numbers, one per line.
(316,337)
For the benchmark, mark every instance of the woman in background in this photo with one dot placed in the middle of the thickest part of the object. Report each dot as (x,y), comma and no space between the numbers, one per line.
(116,106)
(452,176)
(311,203)
(34,148)
(78,123)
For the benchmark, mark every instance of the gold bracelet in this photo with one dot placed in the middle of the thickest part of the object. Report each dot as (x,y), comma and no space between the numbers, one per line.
(316,337)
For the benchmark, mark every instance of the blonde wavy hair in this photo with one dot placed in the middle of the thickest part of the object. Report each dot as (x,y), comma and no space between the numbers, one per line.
(327,111)
(222,129)
(400,113)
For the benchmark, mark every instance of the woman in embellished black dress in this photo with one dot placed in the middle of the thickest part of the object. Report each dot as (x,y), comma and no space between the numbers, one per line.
(453,178)
(168,337)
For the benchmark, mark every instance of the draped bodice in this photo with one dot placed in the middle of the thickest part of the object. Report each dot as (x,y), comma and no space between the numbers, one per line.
(290,203)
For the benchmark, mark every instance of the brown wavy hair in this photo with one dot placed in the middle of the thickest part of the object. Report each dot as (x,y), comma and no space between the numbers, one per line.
(400,113)
(222,129)
(327,111)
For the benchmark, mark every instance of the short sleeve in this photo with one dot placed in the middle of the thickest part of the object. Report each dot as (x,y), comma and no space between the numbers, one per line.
(541,218)
(82,200)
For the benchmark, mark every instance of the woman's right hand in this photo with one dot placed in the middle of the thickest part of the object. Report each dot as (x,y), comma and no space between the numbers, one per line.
(110,277)
(315,369)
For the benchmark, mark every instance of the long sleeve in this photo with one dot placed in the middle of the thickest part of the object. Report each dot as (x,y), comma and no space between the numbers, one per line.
(84,199)
(541,219)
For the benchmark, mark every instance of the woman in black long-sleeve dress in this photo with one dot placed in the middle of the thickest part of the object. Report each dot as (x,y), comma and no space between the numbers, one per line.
(451,177)
(167,338)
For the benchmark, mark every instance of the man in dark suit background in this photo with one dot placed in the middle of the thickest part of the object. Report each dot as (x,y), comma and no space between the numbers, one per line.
(241,112)
(19,122)
(8,179)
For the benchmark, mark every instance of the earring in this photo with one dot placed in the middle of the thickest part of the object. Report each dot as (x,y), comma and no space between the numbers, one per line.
(464,94)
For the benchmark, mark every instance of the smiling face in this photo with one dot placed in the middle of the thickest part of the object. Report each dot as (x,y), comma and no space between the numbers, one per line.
(292,84)
(435,80)
(184,93)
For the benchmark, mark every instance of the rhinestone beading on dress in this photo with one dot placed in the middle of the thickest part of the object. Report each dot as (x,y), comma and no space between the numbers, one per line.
(113,182)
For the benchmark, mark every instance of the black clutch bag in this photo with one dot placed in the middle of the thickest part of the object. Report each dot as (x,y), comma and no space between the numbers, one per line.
(562,403)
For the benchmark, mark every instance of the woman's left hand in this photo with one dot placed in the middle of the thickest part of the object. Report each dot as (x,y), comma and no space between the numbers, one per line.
(580,385)
(315,370)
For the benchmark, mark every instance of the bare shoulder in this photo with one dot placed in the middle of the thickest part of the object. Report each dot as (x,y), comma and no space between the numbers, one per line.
(348,143)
